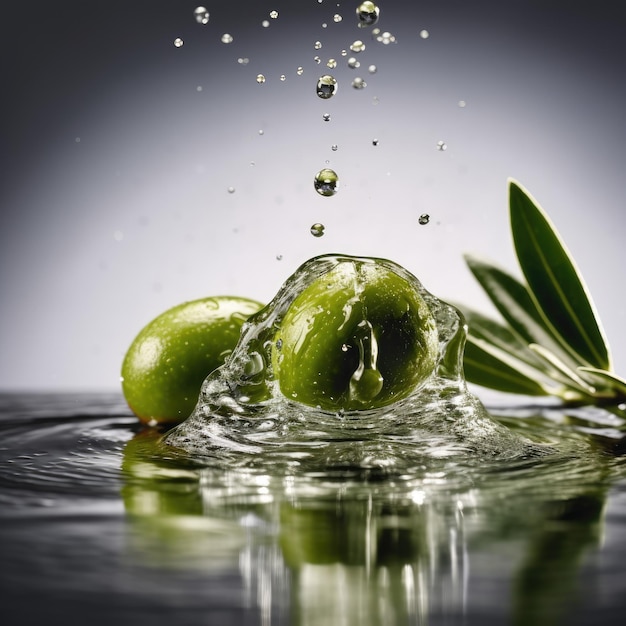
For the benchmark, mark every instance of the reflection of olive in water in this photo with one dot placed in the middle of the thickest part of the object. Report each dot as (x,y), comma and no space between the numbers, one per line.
(360,336)
(169,359)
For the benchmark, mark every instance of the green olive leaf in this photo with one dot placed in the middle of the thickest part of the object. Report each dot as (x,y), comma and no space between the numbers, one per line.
(606,379)
(488,366)
(554,280)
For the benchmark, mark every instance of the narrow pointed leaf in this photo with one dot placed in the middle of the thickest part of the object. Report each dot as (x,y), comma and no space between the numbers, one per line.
(554,280)
(607,379)
(483,368)
(514,302)
(571,377)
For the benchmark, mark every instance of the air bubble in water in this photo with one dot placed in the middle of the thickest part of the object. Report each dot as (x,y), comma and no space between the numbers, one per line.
(353,63)
(317,230)
(300,70)
(368,14)
(317,45)
(202,15)
(441,146)
(178,42)
(227,38)
(357,46)
(424,218)
(260,79)
(424,34)
(274,14)
(326,86)
(325,182)
(359,83)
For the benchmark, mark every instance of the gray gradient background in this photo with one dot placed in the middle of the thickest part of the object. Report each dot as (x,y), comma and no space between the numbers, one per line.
(98,236)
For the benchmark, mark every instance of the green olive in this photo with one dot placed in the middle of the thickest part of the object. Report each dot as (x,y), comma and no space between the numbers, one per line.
(169,359)
(360,336)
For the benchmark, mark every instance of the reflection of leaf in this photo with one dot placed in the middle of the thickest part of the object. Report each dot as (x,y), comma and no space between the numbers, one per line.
(554,280)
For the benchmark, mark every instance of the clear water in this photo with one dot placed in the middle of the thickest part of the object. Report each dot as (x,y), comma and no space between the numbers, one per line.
(102,524)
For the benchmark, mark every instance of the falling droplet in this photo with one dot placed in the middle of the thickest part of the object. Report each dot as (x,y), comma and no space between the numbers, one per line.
(260,79)
(231,190)
(261,131)
(326,117)
(199,88)
(344,53)
(178,42)
(386,38)
(326,182)
(326,86)
(368,14)
(243,60)
(337,18)
(202,15)
(283,77)
(442,146)
(274,14)
(317,230)
(359,83)
(279,257)
(265,23)
(300,70)
(227,38)
(317,45)
(353,63)
(424,34)
(424,218)
(374,142)
(357,46)
(317,59)
(334,147)
(331,63)
(462,104)
(372,69)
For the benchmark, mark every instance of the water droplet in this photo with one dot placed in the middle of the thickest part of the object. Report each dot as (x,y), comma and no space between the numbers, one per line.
(260,79)
(331,63)
(368,14)
(243,60)
(317,59)
(424,34)
(337,18)
(317,45)
(345,347)
(359,83)
(199,88)
(265,23)
(372,69)
(118,235)
(353,63)
(227,38)
(326,182)
(441,146)
(261,131)
(300,70)
(274,14)
(317,230)
(334,147)
(202,15)
(178,42)
(326,117)
(231,190)
(462,104)
(374,142)
(424,219)
(386,38)
(324,25)
(326,86)
(77,139)
(279,257)
(357,46)
(344,53)
(283,77)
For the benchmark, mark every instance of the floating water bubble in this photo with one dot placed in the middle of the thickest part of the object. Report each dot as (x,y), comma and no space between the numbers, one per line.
(317,45)
(331,63)
(326,86)
(274,14)
(300,70)
(260,79)
(334,147)
(283,77)
(326,117)
(386,38)
(265,23)
(353,63)
(243,60)
(317,229)
(357,46)
(227,38)
(344,53)
(462,104)
(359,83)
(178,42)
(317,59)
(374,142)
(199,88)
(325,182)
(279,257)
(372,69)
(201,14)
(261,131)
(424,218)
(442,146)
(375,33)
(424,34)
(368,14)
(324,25)
(337,18)
(231,190)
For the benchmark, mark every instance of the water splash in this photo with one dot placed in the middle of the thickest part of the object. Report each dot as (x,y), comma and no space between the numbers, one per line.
(242,410)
